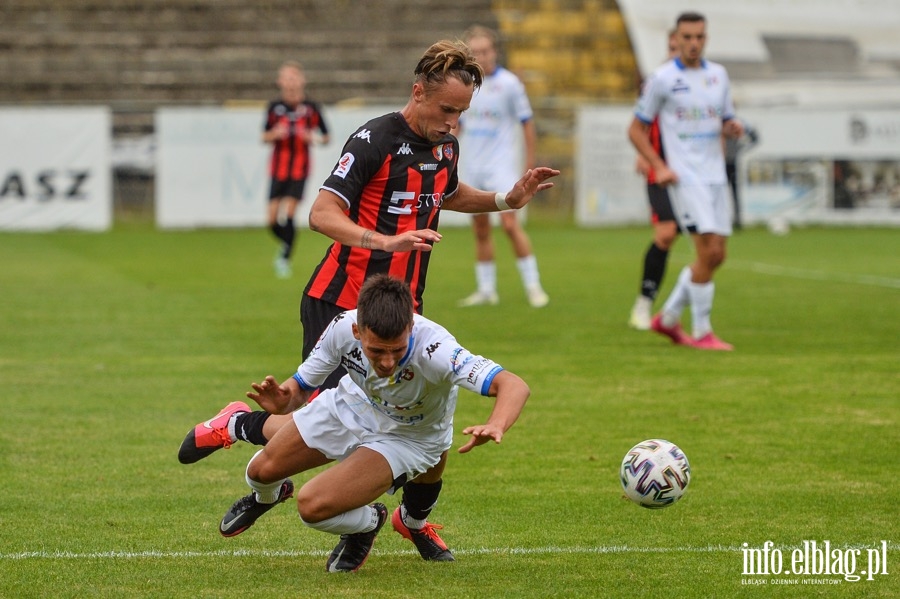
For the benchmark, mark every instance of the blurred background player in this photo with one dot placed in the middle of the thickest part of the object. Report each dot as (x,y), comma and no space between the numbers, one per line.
(665,227)
(291,123)
(692,98)
(490,160)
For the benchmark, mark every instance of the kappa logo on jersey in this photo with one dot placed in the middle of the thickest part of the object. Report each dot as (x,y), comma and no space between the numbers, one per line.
(343,165)
(402,202)
(405,150)
(364,134)
(432,348)
(353,361)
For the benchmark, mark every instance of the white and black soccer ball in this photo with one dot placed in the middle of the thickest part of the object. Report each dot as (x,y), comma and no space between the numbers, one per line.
(655,473)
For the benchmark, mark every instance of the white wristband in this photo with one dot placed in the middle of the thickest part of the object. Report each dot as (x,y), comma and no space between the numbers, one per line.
(500,200)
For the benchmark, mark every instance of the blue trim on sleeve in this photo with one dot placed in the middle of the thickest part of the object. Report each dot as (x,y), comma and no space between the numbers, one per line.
(303,384)
(486,386)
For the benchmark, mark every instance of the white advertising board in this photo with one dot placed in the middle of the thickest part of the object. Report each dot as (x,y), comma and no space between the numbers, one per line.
(55,169)
(609,190)
(212,167)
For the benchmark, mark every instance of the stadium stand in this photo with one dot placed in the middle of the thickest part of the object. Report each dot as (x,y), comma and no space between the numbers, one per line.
(138,56)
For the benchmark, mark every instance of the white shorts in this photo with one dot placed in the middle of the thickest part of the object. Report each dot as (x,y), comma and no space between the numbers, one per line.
(329,425)
(702,208)
(500,179)
(493,179)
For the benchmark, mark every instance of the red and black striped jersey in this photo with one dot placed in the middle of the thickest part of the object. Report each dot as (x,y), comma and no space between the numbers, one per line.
(290,156)
(393,181)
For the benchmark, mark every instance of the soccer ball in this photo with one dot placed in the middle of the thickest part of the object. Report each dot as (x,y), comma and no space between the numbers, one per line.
(655,473)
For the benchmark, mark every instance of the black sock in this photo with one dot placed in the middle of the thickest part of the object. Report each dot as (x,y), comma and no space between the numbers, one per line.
(420,498)
(278,231)
(289,233)
(248,426)
(654,269)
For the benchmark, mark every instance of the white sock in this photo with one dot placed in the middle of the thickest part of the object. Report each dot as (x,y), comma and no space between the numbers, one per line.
(486,277)
(701,307)
(410,522)
(528,270)
(362,519)
(678,299)
(265,493)
(232,430)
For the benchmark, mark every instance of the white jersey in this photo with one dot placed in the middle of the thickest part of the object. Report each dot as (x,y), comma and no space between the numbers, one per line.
(490,155)
(419,399)
(691,105)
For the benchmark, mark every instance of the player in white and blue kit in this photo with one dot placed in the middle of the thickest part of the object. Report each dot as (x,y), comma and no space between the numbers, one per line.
(389,420)
(490,158)
(692,99)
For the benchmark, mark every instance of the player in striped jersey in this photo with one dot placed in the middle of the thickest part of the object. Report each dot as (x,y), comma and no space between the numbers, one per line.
(381,205)
(293,122)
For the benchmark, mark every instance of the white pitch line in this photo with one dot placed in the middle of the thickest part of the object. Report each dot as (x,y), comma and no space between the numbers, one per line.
(551,550)
(65,555)
(816,275)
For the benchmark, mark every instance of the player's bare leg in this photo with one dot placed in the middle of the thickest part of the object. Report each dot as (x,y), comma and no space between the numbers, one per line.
(485,267)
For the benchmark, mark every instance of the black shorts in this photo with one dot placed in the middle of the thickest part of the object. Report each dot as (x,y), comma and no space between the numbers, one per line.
(660,205)
(315,316)
(292,188)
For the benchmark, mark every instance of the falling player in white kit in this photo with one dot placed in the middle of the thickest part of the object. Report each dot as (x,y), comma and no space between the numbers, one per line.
(692,98)
(490,159)
(389,419)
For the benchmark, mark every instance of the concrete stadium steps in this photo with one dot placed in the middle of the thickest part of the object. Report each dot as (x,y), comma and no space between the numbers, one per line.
(136,56)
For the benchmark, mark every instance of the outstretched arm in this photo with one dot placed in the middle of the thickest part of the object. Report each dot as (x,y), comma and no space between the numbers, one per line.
(279,399)
(511,393)
(471,200)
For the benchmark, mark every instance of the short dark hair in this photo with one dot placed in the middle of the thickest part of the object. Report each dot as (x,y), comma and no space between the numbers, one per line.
(689,17)
(385,306)
(446,59)
(482,31)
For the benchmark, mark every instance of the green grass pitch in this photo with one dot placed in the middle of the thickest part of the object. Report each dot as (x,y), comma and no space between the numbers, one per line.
(114,345)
